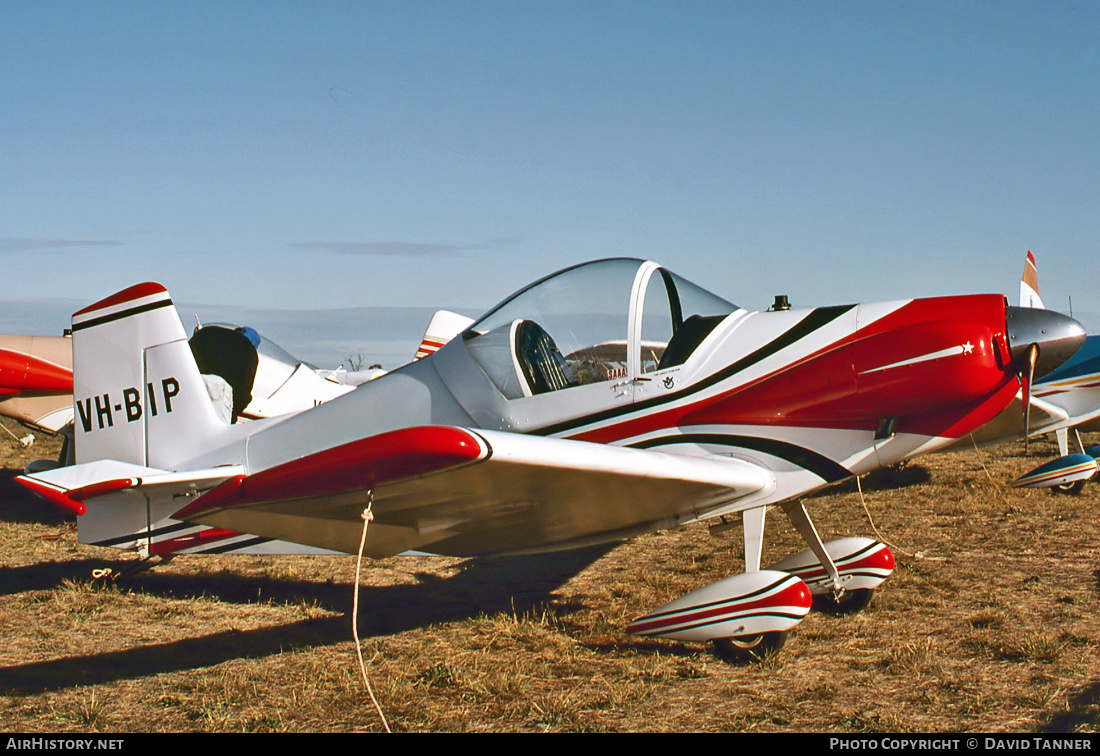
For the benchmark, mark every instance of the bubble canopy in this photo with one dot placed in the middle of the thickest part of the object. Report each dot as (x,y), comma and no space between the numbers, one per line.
(593,322)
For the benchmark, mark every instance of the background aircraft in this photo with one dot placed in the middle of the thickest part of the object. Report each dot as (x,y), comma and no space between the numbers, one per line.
(36,376)
(443,327)
(1064,402)
(36,380)
(264,380)
(499,443)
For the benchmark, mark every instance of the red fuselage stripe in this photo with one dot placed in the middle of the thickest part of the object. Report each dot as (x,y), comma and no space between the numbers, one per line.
(955,400)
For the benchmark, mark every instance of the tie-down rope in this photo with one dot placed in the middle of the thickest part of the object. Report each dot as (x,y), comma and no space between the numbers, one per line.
(368,516)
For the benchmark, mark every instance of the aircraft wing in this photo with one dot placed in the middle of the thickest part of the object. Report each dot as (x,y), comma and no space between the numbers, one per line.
(459,492)
(1009,423)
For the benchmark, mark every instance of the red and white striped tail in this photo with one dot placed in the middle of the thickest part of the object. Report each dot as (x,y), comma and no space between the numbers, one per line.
(1029,284)
(444,326)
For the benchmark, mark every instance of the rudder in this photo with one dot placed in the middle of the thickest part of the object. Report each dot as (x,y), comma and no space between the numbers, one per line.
(137,393)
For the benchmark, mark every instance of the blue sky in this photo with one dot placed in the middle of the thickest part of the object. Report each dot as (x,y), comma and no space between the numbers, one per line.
(326,156)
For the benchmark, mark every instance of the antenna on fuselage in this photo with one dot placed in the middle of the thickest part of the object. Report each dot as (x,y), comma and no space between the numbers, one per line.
(781,303)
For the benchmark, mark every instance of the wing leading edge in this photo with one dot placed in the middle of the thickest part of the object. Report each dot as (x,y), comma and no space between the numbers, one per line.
(459,492)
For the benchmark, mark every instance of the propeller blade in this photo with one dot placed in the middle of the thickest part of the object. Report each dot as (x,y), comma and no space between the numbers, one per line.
(1027,377)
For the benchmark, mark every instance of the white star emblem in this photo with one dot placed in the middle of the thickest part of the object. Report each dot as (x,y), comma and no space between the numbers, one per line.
(967,348)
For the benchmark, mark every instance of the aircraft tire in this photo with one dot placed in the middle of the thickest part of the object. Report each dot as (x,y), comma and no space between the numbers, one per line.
(852,602)
(1069,489)
(745,649)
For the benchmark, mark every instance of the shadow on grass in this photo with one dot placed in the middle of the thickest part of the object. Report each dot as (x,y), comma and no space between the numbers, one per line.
(1084,706)
(647,647)
(1083,711)
(885,479)
(516,584)
(483,586)
(19,505)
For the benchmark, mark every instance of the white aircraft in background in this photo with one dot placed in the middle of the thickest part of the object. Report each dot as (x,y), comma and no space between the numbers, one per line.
(36,381)
(443,327)
(531,432)
(250,377)
(36,377)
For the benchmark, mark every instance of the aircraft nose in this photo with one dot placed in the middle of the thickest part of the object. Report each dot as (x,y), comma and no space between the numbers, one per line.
(1058,336)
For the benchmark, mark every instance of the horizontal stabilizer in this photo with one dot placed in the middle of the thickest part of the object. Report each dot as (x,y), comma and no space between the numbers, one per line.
(127,506)
(458,492)
(72,486)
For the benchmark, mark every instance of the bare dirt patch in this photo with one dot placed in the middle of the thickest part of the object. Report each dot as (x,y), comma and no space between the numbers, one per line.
(989,624)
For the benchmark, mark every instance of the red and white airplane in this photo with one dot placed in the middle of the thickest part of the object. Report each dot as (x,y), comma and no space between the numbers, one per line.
(546,425)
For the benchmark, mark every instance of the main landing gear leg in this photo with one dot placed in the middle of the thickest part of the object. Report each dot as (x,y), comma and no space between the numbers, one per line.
(846,571)
(1076,486)
(758,646)
(1062,434)
(836,599)
(796,511)
(752,521)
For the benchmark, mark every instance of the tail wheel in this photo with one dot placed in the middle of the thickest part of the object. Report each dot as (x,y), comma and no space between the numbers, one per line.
(850,602)
(1069,489)
(743,649)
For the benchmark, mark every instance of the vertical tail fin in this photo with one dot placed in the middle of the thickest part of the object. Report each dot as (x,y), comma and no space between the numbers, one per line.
(1029,284)
(138,396)
(444,326)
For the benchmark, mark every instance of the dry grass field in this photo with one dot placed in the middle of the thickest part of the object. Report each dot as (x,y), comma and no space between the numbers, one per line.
(989,624)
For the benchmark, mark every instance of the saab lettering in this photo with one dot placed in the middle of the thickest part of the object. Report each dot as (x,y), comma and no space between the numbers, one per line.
(99,411)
